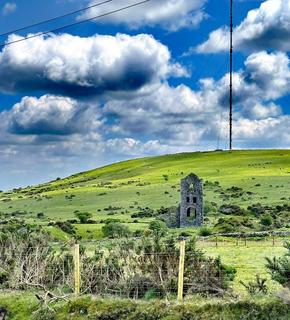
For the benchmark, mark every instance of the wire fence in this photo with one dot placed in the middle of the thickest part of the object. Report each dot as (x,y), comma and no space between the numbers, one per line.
(271,241)
(130,273)
(123,268)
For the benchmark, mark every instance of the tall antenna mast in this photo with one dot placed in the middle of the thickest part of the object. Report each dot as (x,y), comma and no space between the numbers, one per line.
(231,74)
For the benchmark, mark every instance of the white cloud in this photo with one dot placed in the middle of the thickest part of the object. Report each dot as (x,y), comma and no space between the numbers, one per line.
(267,27)
(51,115)
(65,133)
(9,8)
(168,14)
(174,116)
(180,116)
(75,66)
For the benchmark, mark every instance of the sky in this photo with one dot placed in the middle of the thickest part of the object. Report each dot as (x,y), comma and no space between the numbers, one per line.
(149,80)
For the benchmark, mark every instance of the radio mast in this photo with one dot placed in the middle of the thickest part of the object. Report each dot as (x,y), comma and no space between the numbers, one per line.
(231,76)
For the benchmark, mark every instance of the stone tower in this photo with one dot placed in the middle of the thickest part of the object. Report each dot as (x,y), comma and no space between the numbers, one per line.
(190,211)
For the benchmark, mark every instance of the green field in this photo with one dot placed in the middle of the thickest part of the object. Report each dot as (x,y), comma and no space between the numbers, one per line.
(249,259)
(263,175)
(118,190)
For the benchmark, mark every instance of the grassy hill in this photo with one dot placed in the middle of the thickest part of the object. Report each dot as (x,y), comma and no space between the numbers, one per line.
(121,189)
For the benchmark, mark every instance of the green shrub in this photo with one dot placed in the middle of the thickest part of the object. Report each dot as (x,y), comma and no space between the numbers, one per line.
(279,268)
(115,230)
(158,228)
(266,220)
(209,207)
(205,232)
(144,213)
(231,209)
(258,286)
(65,226)
(151,294)
(83,216)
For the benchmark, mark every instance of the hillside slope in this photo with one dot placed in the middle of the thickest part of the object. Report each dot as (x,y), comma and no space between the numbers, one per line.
(119,190)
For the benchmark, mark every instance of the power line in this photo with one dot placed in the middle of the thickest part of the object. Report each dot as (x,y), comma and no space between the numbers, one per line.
(55,18)
(73,24)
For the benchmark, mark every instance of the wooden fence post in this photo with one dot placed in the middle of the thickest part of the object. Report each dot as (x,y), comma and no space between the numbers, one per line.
(181,271)
(77,278)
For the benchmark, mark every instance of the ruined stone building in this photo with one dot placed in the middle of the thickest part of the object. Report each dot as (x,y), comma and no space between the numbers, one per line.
(190,210)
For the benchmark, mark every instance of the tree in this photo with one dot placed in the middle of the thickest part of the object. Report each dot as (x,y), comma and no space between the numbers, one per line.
(114,229)
(83,216)
(279,268)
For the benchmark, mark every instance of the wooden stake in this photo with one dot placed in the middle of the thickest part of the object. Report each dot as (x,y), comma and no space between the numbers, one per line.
(181,271)
(77,269)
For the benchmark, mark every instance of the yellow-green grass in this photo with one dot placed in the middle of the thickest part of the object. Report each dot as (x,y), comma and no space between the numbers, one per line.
(248,258)
(25,306)
(143,182)
(94,231)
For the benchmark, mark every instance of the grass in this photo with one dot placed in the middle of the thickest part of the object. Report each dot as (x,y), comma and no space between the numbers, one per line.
(143,182)
(249,259)
(20,305)
(195,308)
(154,182)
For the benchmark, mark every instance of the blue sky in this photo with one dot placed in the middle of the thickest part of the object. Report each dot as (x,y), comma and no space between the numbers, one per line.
(147,81)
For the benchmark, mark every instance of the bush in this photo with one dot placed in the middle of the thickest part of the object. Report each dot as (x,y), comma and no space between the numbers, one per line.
(259,286)
(231,209)
(66,227)
(144,213)
(205,232)
(266,220)
(257,209)
(138,233)
(83,216)
(115,230)
(40,215)
(279,268)
(209,207)
(158,228)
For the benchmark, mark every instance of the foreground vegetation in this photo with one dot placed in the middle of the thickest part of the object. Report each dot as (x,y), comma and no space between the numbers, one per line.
(126,208)
(196,308)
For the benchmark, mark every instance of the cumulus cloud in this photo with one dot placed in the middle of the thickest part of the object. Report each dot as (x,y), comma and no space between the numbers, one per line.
(51,115)
(60,131)
(8,8)
(263,133)
(76,66)
(181,116)
(172,115)
(168,14)
(267,27)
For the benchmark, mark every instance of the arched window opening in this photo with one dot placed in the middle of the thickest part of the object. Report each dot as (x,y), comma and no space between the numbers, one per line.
(191,212)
